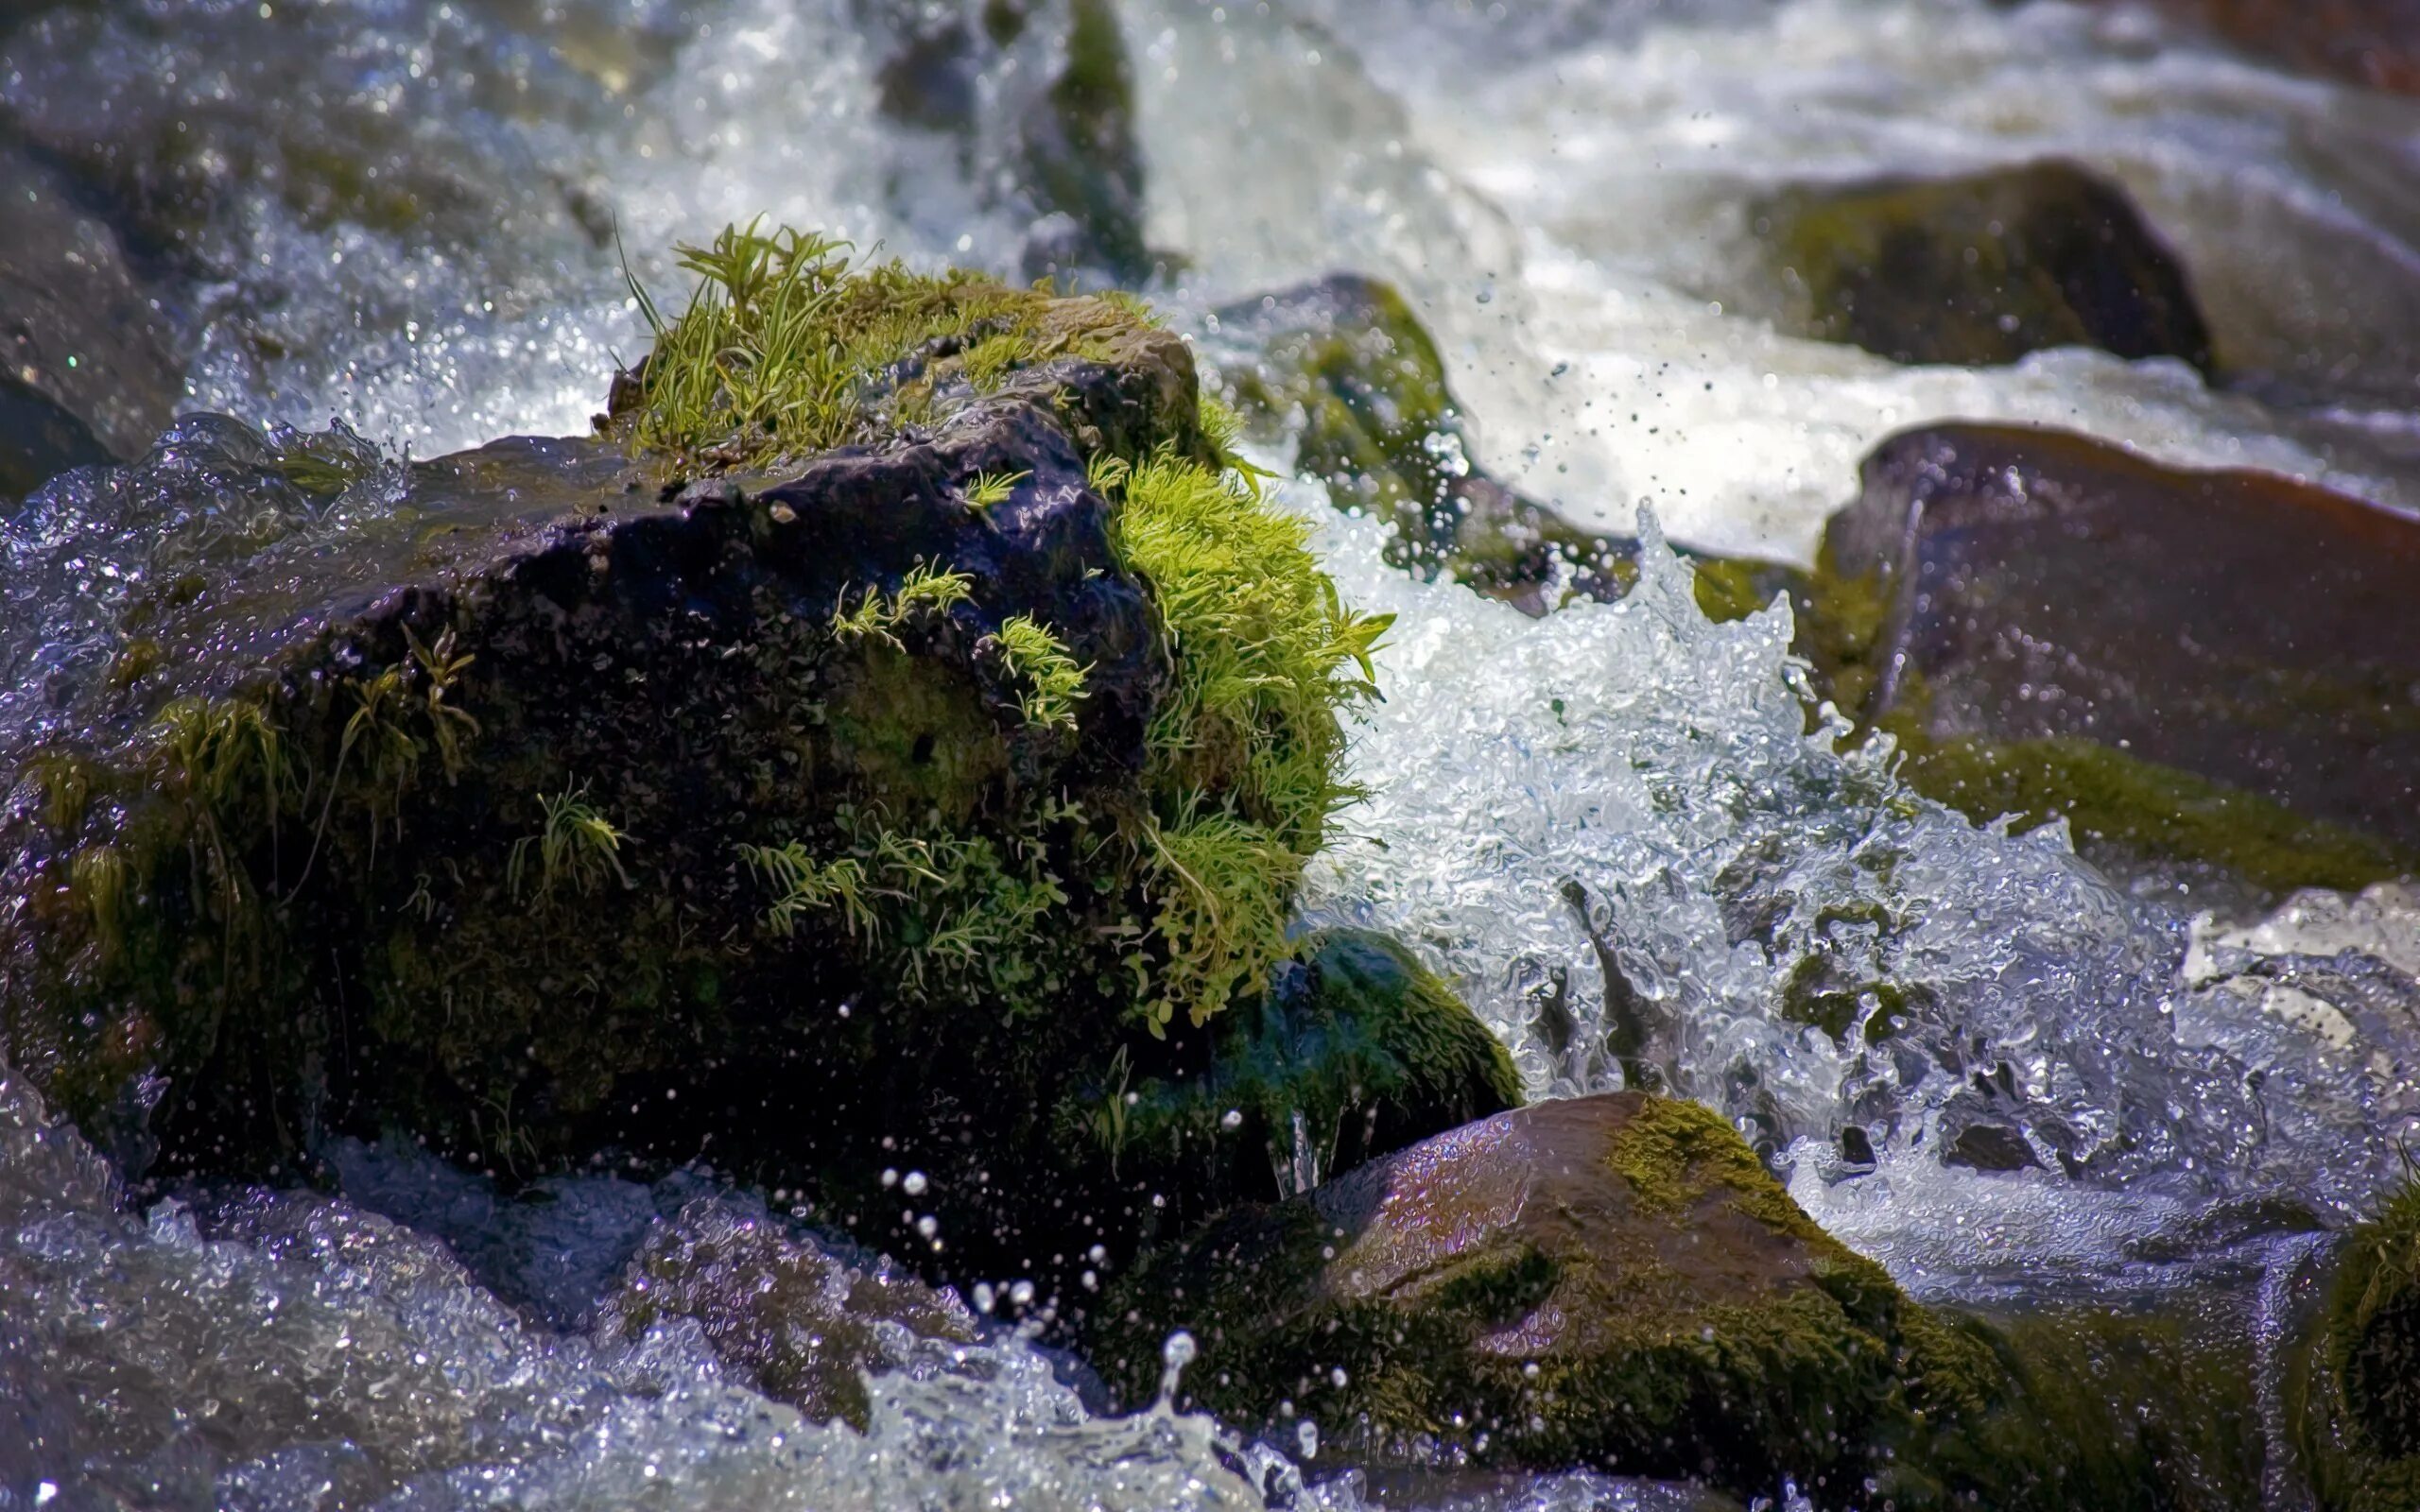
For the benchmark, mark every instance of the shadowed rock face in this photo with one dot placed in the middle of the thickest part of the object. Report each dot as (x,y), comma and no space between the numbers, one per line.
(1614,1282)
(1984,269)
(2034,586)
(2354,1386)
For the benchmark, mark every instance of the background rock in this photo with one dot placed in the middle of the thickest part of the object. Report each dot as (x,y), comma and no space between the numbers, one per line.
(1982,268)
(2221,664)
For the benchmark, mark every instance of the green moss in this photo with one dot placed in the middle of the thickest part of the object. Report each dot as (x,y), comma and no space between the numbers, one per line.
(1674,1152)
(786,349)
(1246,752)
(1050,682)
(2354,1397)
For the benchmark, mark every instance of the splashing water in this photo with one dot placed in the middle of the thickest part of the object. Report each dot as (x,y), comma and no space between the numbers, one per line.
(1821,946)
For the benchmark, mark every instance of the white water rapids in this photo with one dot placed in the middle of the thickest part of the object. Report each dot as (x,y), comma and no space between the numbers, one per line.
(1557,187)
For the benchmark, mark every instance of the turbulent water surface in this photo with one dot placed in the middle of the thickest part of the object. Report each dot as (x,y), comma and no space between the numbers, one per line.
(412,215)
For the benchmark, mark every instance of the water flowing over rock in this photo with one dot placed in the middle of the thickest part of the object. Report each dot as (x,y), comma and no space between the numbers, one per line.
(2049,607)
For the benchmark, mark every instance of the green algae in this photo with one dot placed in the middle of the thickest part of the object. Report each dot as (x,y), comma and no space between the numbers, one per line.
(2353,1396)
(1356,1044)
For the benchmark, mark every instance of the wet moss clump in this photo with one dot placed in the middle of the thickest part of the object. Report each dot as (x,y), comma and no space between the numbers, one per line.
(1356,1051)
(2354,1395)
(824,810)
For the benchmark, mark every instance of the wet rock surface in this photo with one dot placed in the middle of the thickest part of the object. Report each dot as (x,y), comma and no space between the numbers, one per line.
(1357,1051)
(1612,1281)
(1984,269)
(2052,614)
(83,326)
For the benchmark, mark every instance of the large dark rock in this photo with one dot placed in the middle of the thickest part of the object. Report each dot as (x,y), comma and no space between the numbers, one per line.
(1343,369)
(1616,1281)
(2225,663)
(1982,268)
(509,802)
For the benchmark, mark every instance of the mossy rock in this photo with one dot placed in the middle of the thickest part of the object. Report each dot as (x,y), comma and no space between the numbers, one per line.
(1358,1050)
(1614,1282)
(1984,269)
(1344,368)
(2215,667)
(2353,1392)
(693,785)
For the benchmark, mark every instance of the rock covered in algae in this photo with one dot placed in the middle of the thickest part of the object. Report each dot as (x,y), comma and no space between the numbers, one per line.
(1357,1050)
(2213,664)
(834,765)
(2354,1389)
(1614,1282)
(1982,268)
(805,1322)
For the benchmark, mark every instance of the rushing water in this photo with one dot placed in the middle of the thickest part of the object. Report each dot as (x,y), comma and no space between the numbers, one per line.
(410,213)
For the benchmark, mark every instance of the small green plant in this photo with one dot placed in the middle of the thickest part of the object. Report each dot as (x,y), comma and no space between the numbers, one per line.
(1224,888)
(576,847)
(805,886)
(788,346)
(925,589)
(1039,660)
(988,489)
(450,728)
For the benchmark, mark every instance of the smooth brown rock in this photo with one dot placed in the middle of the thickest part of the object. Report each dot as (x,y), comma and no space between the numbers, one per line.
(1612,1282)
(2038,585)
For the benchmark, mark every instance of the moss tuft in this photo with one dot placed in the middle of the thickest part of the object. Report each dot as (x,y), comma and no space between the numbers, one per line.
(2355,1397)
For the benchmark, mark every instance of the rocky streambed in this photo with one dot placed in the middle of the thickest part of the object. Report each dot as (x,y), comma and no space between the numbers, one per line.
(980,893)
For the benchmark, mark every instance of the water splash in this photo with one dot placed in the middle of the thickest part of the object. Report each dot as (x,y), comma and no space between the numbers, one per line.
(1827,947)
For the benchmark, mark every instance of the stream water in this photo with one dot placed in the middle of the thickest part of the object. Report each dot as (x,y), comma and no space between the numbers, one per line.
(410,213)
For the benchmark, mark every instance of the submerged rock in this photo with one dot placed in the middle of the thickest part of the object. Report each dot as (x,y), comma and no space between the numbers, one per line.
(802,1322)
(2216,665)
(851,813)
(1982,268)
(39,440)
(2353,1391)
(1613,1282)
(1343,368)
